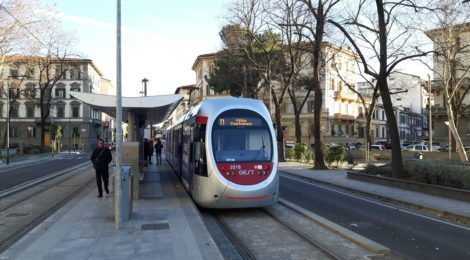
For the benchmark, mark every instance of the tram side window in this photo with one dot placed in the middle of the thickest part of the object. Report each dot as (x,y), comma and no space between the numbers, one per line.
(197,153)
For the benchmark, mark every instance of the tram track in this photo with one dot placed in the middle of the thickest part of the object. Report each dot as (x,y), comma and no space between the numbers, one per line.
(289,240)
(27,209)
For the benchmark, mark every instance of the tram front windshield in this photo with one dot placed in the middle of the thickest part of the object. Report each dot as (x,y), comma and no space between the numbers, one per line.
(241,136)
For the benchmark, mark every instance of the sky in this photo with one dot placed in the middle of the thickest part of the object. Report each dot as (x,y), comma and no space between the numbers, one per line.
(161,39)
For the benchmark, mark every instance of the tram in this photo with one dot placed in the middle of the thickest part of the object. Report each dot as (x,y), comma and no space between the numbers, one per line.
(224,152)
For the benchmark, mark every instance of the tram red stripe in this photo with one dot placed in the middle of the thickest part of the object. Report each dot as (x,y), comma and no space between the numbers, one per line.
(246,198)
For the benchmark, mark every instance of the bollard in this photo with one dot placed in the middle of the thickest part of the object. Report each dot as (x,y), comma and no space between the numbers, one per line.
(126,190)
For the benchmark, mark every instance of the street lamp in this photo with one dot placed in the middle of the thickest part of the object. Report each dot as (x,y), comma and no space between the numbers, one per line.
(144,81)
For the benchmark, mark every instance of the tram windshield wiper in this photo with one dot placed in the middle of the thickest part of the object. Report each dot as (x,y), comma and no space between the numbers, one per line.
(261,150)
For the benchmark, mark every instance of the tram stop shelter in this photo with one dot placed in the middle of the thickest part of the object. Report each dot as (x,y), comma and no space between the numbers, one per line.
(138,112)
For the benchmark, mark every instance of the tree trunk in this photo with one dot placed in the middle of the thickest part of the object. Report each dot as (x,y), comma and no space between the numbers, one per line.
(397,161)
(367,137)
(279,134)
(319,162)
(298,129)
(455,134)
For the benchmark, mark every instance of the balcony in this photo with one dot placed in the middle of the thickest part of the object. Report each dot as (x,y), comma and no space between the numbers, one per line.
(438,84)
(345,96)
(344,116)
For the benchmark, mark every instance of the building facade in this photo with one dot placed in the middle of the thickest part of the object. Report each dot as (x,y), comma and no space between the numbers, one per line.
(80,125)
(451,39)
(342,119)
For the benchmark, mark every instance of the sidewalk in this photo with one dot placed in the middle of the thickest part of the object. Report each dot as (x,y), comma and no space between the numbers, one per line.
(165,225)
(438,205)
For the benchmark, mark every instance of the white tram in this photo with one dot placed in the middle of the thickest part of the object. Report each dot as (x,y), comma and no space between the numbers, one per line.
(224,152)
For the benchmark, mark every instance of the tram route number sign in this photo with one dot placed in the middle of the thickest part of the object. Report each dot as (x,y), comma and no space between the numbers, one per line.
(239,121)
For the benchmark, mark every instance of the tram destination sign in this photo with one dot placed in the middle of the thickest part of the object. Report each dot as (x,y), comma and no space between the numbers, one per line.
(239,121)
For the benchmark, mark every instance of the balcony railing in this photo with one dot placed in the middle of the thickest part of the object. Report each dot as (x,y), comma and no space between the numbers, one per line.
(344,116)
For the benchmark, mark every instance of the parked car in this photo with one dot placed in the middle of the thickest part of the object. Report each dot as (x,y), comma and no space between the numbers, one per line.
(417,147)
(386,144)
(377,147)
(436,146)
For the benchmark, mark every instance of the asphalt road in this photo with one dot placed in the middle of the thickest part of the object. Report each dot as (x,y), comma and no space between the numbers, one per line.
(45,166)
(409,234)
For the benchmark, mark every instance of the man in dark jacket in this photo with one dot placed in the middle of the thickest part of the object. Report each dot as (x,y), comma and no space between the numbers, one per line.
(100,158)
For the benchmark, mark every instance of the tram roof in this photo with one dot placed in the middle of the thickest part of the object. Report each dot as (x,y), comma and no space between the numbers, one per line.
(153,109)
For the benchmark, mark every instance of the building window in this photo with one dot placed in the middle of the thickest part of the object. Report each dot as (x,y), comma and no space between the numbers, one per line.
(361,131)
(30,92)
(333,132)
(60,92)
(1,110)
(30,72)
(31,131)
(60,111)
(383,132)
(59,72)
(14,111)
(75,73)
(76,111)
(14,71)
(76,132)
(377,132)
(30,111)
(13,132)
(311,106)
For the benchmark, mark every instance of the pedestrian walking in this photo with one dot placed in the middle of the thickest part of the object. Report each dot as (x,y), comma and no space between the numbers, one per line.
(158,151)
(150,152)
(100,158)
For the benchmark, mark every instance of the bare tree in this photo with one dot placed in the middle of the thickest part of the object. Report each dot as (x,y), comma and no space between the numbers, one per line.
(262,46)
(380,35)
(451,61)
(320,10)
(52,68)
(290,14)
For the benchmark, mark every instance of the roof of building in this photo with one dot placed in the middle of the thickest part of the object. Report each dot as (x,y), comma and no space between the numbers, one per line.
(186,87)
(152,109)
(29,58)
(208,55)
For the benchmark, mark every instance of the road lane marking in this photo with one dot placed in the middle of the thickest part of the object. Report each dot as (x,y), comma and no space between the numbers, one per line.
(379,203)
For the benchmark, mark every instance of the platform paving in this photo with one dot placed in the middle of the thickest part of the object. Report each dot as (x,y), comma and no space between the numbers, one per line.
(166,226)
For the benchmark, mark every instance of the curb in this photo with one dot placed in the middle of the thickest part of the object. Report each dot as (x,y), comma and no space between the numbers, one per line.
(356,238)
(437,212)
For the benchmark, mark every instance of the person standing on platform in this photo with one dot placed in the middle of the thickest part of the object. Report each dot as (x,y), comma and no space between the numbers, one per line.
(146,151)
(158,151)
(150,147)
(100,158)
